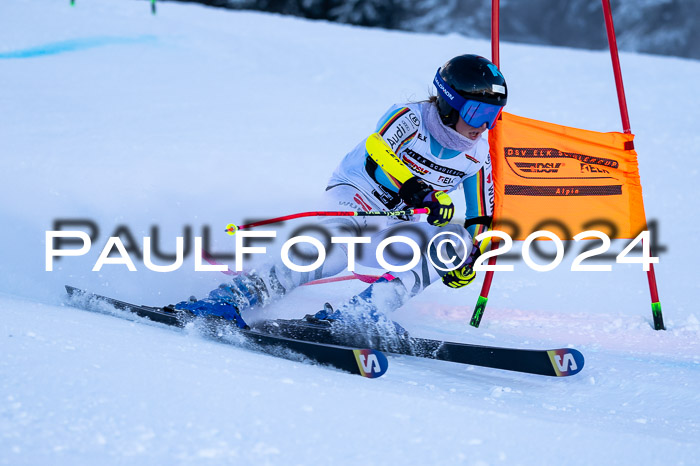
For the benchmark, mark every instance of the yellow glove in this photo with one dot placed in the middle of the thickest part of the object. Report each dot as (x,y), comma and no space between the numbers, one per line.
(459,277)
(441,209)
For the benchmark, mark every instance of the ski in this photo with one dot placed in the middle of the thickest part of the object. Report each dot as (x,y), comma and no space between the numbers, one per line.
(560,362)
(323,344)
(370,363)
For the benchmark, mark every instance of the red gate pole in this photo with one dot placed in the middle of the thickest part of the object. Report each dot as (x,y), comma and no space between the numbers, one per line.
(495,31)
(488,277)
(626,127)
(612,42)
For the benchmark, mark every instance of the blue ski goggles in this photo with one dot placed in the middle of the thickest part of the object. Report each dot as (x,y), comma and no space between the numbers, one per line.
(473,112)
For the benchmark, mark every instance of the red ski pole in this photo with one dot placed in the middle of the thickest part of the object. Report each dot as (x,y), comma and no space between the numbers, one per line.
(231,228)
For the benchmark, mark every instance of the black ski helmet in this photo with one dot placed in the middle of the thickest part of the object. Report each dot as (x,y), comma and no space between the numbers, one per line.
(473,77)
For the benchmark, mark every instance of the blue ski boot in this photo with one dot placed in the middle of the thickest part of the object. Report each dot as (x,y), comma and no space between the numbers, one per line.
(363,320)
(229,299)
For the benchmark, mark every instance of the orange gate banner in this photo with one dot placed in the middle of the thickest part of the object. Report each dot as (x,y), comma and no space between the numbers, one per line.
(564,180)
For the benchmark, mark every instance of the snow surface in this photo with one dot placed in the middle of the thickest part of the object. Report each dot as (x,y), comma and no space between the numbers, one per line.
(203,117)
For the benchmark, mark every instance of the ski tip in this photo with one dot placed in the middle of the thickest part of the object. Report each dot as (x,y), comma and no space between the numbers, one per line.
(371,363)
(566,361)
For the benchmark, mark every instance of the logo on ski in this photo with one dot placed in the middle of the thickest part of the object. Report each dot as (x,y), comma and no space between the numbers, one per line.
(371,363)
(566,361)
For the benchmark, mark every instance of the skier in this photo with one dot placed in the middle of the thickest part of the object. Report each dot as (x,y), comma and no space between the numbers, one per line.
(439,145)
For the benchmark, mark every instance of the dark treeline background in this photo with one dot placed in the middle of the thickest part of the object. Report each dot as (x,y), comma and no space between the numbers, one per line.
(666,27)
